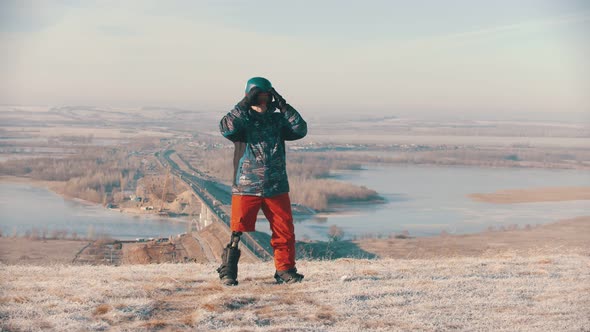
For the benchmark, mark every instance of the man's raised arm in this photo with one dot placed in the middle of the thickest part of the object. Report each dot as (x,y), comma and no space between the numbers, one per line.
(294,126)
(233,123)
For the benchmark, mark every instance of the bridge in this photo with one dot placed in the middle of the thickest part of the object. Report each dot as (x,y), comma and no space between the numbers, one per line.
(214,202)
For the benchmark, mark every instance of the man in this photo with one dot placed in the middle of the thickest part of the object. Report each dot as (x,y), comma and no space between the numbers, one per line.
(260,177)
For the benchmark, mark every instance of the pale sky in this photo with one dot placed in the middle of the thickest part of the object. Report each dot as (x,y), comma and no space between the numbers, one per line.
(499,57)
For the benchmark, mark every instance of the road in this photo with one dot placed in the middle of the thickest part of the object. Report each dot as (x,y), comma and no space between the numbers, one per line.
(214,198)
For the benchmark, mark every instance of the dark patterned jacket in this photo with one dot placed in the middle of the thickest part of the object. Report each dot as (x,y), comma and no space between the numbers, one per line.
(259,155)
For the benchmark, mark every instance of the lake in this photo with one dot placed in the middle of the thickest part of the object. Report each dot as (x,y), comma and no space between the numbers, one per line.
(24,207)
(425,200)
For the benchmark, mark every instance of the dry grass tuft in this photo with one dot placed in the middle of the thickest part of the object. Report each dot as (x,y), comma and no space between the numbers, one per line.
(238,303)
(155,324)
(210,307)
(102,309)
(545,261)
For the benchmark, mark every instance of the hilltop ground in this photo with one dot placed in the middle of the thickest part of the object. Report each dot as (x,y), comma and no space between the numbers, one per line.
(506,292)
(516,280)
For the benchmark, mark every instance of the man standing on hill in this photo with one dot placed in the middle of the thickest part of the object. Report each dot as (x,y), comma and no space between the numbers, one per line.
(260,176)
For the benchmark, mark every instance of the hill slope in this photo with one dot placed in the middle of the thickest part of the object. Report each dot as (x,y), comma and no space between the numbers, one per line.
(502,293)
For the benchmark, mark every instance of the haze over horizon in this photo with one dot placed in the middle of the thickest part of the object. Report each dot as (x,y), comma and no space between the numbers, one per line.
(504,60)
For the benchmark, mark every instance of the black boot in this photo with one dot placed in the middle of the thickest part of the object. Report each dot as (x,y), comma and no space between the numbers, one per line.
(228,270)
(288,276)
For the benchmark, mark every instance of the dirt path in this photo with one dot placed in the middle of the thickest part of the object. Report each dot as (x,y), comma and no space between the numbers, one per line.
(205,247)
(19,250)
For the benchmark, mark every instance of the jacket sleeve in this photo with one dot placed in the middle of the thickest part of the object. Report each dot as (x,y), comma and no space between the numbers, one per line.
(294,127)
(232,125)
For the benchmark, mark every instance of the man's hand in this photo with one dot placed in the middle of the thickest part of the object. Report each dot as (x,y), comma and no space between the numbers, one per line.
(250,98)
(280,101)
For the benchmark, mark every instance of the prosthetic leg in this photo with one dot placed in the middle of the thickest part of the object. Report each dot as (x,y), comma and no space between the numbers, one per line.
(228,270)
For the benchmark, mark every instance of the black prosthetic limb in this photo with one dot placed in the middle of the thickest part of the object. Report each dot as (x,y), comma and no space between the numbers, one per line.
(228,270)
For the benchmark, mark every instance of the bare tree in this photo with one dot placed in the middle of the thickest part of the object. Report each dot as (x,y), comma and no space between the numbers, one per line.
(335,233)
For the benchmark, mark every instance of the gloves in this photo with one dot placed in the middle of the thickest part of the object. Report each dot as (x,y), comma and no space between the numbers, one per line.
(250,98)
(279,100)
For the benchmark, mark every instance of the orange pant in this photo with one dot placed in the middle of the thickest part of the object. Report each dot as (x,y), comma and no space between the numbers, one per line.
(277,209)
